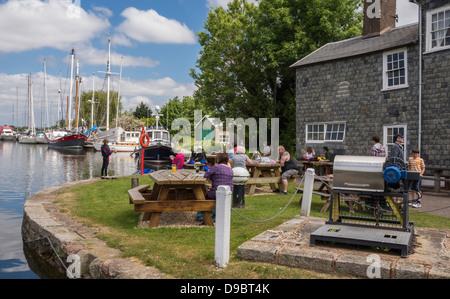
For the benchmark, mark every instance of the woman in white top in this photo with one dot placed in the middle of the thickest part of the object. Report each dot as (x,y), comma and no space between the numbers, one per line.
(309,154)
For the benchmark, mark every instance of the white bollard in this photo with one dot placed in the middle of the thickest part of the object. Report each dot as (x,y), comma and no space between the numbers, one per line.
(223,220)
(307,192)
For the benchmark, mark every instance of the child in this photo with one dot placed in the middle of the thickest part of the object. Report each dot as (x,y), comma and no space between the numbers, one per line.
(415,163)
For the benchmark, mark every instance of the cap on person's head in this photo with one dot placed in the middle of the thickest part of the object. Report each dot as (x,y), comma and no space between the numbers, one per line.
(397,136)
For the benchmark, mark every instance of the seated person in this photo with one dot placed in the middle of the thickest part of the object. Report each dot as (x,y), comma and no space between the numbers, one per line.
(241,159)
(200,156)
(220,174)
(309,154)
(178,159)
(288,169)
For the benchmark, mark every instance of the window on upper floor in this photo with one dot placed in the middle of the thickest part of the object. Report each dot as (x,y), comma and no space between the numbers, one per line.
(438,29)
(395,70)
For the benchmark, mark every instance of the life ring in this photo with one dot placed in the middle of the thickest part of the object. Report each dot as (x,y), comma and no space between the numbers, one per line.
(142,138)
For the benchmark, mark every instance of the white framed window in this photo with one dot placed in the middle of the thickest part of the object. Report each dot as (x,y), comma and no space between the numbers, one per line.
(321,132)
(395,69)
(388,134)
(438,29)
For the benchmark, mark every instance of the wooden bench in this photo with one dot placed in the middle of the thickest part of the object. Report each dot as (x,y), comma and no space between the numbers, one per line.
(323,196)
(437,182)
(136,194)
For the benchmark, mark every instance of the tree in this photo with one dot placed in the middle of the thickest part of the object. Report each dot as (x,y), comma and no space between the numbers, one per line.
(99,107)
(142,111)
(244,65)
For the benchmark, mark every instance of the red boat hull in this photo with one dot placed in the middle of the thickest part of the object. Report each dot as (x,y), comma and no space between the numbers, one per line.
(72,141)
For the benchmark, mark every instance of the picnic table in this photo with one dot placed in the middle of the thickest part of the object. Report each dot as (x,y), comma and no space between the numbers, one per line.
(263,173)
(173,191)
(324,167)
(324,191)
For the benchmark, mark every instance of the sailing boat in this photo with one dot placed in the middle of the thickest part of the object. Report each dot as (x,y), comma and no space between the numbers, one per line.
(118,138)
(29,137)
(40,138)
(61,139)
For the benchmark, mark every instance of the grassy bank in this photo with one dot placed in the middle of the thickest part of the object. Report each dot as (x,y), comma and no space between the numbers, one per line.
(188,252)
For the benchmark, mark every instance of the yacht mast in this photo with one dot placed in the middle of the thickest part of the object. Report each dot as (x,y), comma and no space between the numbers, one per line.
(69,109)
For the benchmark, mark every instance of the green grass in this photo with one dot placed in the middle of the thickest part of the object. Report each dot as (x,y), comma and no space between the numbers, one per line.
(188,252)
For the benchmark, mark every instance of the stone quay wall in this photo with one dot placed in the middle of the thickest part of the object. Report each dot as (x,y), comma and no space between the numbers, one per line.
(69,246)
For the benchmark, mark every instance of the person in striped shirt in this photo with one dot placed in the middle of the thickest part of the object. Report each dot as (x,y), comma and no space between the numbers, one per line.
(415,163)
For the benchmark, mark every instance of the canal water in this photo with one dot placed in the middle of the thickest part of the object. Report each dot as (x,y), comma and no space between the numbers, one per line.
(26,169)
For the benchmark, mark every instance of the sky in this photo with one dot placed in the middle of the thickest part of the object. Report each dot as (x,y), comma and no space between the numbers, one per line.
(154,41)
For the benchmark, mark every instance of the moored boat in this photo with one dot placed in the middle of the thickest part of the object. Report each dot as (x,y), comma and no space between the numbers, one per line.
(159,148)
(6,133)
(121,141)
(40,138)
(58,139)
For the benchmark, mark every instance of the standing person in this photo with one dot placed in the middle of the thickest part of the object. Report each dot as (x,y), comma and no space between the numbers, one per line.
(378,149)
(106,152)
(288,169)
(397,148)
(415,163)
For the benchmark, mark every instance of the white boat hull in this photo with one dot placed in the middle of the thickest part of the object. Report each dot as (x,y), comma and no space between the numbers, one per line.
(129,147)
(27,139)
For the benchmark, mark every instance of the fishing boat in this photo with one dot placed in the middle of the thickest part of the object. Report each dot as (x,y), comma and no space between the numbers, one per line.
(159,148)
(6,133)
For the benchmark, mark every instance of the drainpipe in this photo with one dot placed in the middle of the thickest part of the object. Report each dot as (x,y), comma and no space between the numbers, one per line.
(420,75)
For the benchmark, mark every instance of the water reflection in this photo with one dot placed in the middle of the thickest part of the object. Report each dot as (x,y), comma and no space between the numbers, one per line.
(27,169)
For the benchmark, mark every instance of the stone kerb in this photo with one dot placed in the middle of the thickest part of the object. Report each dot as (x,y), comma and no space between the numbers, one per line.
(45,231)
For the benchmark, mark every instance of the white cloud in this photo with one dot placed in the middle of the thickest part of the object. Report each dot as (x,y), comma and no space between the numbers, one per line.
(92,56)
(150,91)
(150,27)
(407,12)
(34,24)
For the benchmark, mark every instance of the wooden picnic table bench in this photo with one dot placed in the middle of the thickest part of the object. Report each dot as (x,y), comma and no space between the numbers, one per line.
(263,173)
(182,190)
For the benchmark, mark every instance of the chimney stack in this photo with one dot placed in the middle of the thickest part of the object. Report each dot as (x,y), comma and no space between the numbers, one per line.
(379,17)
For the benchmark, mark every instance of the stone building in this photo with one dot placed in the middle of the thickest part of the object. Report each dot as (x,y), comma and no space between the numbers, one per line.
(351,90)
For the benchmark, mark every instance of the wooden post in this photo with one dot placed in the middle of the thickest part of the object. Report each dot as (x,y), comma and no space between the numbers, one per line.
(134,182)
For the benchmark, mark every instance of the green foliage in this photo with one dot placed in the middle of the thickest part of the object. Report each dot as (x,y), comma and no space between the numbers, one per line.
(244,66)
(99,107)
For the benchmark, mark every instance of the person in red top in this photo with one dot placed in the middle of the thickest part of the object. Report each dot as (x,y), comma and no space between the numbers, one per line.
(178,159)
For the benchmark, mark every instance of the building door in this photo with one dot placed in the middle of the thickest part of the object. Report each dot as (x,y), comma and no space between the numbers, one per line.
(388,135)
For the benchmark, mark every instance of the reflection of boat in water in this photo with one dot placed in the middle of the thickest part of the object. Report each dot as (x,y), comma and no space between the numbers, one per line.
(159,149)
(68,150)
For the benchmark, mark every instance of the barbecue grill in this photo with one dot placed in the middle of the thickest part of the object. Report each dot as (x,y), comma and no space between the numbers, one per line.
(369,203)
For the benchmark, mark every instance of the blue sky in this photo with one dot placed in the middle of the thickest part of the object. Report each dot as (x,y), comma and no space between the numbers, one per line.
(156,38)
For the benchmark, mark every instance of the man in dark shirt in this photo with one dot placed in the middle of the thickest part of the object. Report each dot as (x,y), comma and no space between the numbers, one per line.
(106,152)
(288,169)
